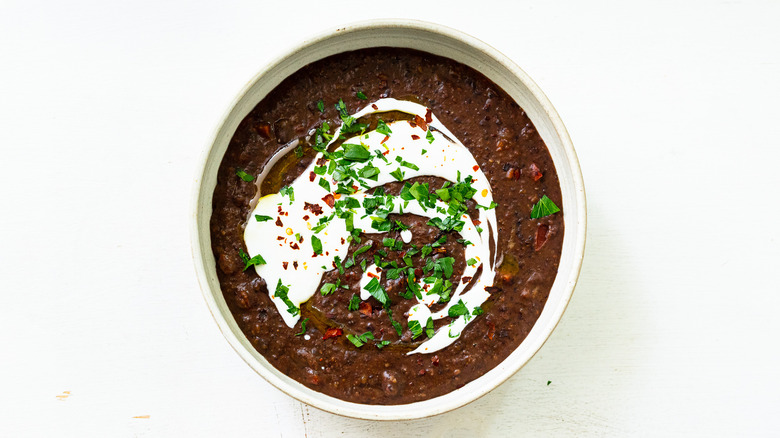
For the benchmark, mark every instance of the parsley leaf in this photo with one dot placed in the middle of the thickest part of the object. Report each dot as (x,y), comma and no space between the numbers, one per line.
(316,245)
(281,293)
(361,96)
(429,136)
(256,260)
(398,174)
(356,152)
(243,175)
(544,207)
(354,302)
(415,328)
(321,106)
(429,328)
(327,288)
(382,128)
(263,218)
(360,340)
(457,310)
(377,291)
(288,191)
(324,184)
(303,327)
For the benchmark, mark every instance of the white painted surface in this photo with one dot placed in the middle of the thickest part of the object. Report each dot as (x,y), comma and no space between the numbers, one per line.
(673,109)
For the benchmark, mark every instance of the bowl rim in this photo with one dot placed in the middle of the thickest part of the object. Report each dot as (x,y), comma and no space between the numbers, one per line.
(385,412)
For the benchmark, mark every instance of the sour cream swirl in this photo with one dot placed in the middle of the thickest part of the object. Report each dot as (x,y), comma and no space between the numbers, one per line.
(290,240)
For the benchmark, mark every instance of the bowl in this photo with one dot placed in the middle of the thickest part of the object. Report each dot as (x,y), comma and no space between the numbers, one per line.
(438,40)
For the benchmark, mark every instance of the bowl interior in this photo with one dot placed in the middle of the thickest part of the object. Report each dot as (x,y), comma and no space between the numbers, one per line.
(440,41)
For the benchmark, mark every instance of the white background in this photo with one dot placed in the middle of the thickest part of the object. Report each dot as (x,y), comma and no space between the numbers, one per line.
(673,110)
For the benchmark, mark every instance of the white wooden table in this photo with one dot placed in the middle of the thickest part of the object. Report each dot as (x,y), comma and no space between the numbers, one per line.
(673,109)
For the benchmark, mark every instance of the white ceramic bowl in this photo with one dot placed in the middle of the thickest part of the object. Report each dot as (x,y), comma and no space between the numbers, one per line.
(441,41)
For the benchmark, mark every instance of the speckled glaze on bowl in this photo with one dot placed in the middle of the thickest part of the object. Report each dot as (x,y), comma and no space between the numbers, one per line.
(441,41)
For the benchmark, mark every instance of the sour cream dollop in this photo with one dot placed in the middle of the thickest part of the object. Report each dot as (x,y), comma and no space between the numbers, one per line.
(301,236)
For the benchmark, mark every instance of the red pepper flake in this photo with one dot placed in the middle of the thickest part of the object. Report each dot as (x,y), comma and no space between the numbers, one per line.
(476,168)
(279,209)
(421,122)
(355,188)
(415,137)
(329,199)
(280,238)
(417,272)
(294,246)
(279,222)
(422,372)
(387,137)
(412,124)
(306,217)
(513,173)
(477,222)
(322,161)
(491,330)
(342,241)
(385,152)
(536,174)
(314,208)
(312,176)
(542,233)
(295,265)
(373,105)
(264,130)
(284,265)
(365,308)
(465,279)
(435,359)
(332,333)
(300,239)
(372,275)
(428,115)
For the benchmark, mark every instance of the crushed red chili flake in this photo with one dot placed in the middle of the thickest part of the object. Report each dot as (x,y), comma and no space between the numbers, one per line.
(300,239)
(435,360)
(312,176)
(422,372)
(417,272)
(264,130)
(477,222)
(316,209)
(294,245)
(365,308)
(284,265)
(279,222)
(412,124)
(415,137)
(373,105)
(332,333)
(295,265)
(329,199)
(536,174)
(491,330)
(371,274)
(322,161)
(421,122)
(306,217)
(476,168)
(465,279)
(428,115)
(279,237)
(279,209)
(542,233)
(387,137)
(342,241)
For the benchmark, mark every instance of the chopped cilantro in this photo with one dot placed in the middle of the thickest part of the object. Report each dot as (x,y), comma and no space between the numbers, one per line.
(321,106)
(382,344)
(288,191)
(423,152)
(327,288)
(377,291)
(356,152)
(361,96)
(360,340)
(409,165)
(415,328)
(281,293)
(256,260)
(429,328)
(457,310)
(263,218)
(429,136)
(472,261)
(477,311)
(490,207)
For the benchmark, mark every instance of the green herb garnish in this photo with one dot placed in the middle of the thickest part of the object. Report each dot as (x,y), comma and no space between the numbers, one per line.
(316,245)
(360,340)
(321,106)
(263,218)
(361,96)
(544,207)
(243,175)
(429,136)
(354,302)
(303,327)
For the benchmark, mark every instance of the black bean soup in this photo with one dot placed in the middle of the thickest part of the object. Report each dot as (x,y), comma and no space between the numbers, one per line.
(355,349)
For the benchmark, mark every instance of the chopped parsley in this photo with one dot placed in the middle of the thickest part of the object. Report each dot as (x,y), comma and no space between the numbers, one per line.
(360,340)
(429,328)
(382,344)
(256,260)
(289,192)
(377,291)
(544,207)
(321,106)
(415,328)
(361,96)
(263,218)
(325,184)
(299,151)
(316,245)
(356,152)
(281,293)
(382,128)
(471,262)
(354,302)
(398,174)
(429,136)
(327,288)
(457,310)
(243,175)
(303,327)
